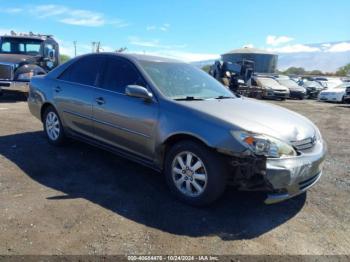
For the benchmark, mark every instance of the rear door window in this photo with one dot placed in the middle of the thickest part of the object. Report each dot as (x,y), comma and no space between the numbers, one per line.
(85,71)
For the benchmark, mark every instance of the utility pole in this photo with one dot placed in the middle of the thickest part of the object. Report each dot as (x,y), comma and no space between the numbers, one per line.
(75,48)
(98,46)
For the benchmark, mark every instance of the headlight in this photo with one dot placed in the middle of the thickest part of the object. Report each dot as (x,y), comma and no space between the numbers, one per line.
(264,145)
(25,76)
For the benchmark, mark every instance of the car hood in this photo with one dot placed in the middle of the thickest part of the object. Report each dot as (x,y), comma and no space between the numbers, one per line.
(296,88)
(276,87)
(334,90)
(314,88)
(258,117)
(15,59)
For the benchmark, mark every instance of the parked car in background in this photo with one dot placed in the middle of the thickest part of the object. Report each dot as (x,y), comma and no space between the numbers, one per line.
(335,94)
(313,88)
(347,95)
(179,120)
(330,82)
(23,56)
(295,91)
(270,88)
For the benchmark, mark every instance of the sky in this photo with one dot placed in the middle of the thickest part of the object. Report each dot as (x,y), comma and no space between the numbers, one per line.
(190,30)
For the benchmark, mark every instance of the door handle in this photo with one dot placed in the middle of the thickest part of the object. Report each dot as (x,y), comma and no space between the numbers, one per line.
(100,101)
(58,89)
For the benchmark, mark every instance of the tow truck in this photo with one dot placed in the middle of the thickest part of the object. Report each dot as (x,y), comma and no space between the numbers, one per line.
(23,56)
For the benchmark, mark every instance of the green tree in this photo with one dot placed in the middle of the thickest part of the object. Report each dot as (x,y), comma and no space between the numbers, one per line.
(295,71)
(64,58)
(316,73)
(344,70)
(206,68)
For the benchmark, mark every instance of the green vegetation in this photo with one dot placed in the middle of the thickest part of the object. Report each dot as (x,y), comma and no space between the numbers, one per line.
(344,70)
(64,58)
(206,68)
(294,71)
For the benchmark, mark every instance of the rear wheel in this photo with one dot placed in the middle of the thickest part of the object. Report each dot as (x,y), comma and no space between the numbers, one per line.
(53,127)
(25,96)
(343,100)
(194,173)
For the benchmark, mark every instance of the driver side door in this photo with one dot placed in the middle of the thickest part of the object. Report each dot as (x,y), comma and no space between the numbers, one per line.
(121,121)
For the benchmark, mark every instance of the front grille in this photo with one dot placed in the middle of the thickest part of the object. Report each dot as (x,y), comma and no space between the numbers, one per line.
(304,144)
(348,91)
(6,72)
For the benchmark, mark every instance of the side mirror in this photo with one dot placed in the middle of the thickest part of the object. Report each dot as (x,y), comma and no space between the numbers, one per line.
(51,54)
(138,91)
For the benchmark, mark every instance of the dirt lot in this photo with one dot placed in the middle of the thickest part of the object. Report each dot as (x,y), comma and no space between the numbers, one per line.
(81,200)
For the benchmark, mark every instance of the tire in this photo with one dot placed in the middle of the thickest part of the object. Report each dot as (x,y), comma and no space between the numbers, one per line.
(25,96)
(259,95)
(206,170)
(342,100)
(53,127)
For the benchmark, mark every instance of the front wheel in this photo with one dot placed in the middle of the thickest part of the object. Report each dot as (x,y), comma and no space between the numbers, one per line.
(194,173)
(53,127)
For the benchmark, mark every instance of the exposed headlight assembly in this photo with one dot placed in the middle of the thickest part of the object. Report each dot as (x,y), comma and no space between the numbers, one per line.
(264,145)
(26,76)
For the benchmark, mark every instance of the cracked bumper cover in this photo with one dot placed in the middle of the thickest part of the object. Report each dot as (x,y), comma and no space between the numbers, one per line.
(292,176)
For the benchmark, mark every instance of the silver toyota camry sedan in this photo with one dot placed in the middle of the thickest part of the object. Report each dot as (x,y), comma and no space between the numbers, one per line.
(178,120)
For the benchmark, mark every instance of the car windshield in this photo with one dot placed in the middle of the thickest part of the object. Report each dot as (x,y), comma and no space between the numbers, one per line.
(20,46)
(333,83)
(183,81)
(288,82)
(342,86)
(312,84)
(265,81)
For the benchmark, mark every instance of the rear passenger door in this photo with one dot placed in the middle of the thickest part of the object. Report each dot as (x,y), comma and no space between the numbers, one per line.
(73,93)
(120,120)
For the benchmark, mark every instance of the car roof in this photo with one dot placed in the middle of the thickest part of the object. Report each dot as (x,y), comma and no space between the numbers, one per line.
(131,57)
(142,57)
(265,77)
(42,38)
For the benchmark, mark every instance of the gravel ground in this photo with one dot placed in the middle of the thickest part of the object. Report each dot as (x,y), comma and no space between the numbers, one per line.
(81,200)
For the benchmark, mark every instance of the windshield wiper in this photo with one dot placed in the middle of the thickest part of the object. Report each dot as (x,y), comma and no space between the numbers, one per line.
(224,97)
(188,98)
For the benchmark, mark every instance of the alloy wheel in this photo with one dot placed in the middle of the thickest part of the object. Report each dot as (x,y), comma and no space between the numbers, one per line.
(189,174)
(52,126)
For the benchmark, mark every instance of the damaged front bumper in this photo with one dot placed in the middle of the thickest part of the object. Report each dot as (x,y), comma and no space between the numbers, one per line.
(292,176)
